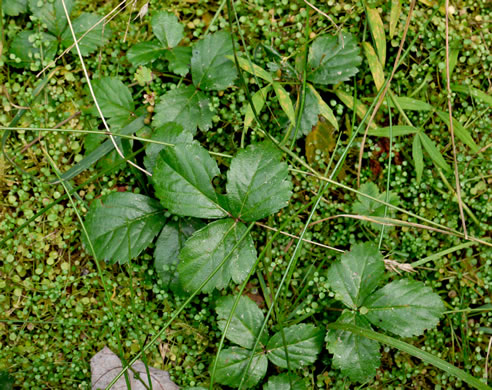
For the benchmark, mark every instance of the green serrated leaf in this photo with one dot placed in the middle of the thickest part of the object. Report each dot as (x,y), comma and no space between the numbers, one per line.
(303,343)
(370,208)
(459,131)
(186,106)
(324,110)
(167,29)
(179,59)
(357,274)
(395,131)
(14,7)
(356,356)
(51,14)
(208,247)
(418,158)
(285,382)
(144,53)
(122,225)
(115,100)
(30,46)
(252,68)
(257,183)
(96,38)
(245,323)
(404,307)
(231,364)
(171,133)
(183,181)
(433,152)
(333,59)
(310,114)
(167,247)
(258,101)
(211,70)
(285,102)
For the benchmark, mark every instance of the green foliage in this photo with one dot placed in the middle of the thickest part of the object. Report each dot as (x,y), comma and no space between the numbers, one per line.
(333,59)
(122,225)
(186,106)
(183,181)
(292,347)
(169,33)
(41,46)
(403,307)
(372,208)
(115,100)
(284,382)
(14,7)
(257,184)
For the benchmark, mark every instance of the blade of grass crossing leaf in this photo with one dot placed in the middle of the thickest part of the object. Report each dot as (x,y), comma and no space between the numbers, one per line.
(374,64)
(176,314)
(453,60)
(433,152)
(413,351)
(324,109)
(377,31)
(259,99)
(394,17)
(284,101)
(100,152)
(361,108)
(476,93)
(243,286)
(461,132)
(418,158)
(99,269)
(253,69)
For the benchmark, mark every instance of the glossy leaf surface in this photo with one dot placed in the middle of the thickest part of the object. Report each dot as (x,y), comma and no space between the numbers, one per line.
(404,307)
(122,225)
(211,70)
(186,106)
(357,274)
(245,323)
(303,343)
(333,59)
(257,182)
(183,181)
(356,356)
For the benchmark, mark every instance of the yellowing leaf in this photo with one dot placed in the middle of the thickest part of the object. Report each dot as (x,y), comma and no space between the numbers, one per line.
(361,109)
(254,69)
(321,138)
(377,31)
(374,65)
(394,16)
(285,102)
(324,109)
(259,101)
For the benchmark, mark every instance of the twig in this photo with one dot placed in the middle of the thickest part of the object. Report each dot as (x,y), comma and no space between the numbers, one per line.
(451,128)
(89,84)
(322,13)
(55,127)
(383,94)
(487,360)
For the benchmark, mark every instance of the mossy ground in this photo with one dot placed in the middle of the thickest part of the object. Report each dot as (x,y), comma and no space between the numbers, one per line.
(53,312)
